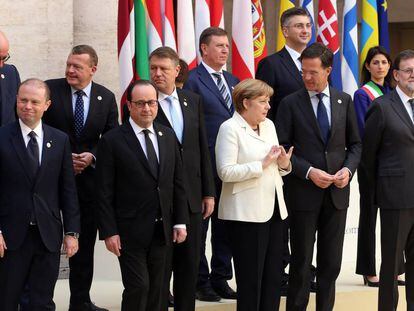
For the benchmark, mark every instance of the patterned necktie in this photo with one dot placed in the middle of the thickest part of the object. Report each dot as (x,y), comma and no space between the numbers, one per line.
(151,155)
(223,90)
(411,101)
(33,152)
(79,114)
(177,123)
(322,117)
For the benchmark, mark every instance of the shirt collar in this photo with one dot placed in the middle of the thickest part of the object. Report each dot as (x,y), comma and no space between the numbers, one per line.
(209,69)
(137,129)
(324,92)
(404,97)
(293,53)
(86,90)
(162,96)
(26,130)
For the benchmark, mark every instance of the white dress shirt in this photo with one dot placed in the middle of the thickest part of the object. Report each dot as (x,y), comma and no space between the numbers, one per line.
(39,136)
(86,100)
(165,105)
(295,56)
(405,98)
(326,99)
(211,71)
(141,137)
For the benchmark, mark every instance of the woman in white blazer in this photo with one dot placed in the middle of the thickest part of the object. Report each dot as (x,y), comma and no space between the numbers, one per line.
(250,163)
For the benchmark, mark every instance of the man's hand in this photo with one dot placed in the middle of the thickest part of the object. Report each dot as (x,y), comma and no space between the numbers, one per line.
(70,245)
(341,178)
(81,161)
(179,235)
(321,178)
(207,207)
(3,246)
(113,244)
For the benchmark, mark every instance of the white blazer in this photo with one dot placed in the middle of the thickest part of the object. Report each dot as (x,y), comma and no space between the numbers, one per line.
(248,191)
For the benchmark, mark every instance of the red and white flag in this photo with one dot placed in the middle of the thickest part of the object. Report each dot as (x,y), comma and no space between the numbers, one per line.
(167,11)
(186,45)
(259,35)
(154,28)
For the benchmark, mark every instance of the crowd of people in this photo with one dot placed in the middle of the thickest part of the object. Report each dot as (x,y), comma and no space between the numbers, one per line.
(267,162)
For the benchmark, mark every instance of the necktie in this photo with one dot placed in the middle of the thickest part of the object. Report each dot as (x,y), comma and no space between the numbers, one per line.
(151,155)
(323,120)
(411,101)
(177,123)
(79,113)
(33,152)
(223,90)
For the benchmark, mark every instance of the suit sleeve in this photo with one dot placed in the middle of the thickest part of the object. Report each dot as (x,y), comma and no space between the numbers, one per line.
(353,140)
(266,73)
(105,176)
(68,197)
(361,102)
(180,209)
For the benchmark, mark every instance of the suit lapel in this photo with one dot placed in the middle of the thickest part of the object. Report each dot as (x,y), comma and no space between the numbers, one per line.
(162,150)
(290,65)
(336,107)
(66,98)
(20,148)
(46,150)
(3,78)
(93,102)
(399,108)
(249,131)
(184,103)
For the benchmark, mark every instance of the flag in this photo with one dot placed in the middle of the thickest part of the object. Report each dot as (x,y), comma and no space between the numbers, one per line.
(154,28)
(284,5)
(186,46)
(259,36)
(369,28)
(168,26)
(328,35)
(349,62)
(308,5)
(141,45)
(384,37)
(242,41)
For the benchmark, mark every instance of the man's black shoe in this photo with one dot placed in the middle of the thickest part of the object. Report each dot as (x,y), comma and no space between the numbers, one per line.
(170,300)
(313,287)
(284,289)
(207,294)
(224,290)
(86,306)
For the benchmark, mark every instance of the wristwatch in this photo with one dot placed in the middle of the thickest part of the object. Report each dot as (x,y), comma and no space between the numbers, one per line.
(73,234)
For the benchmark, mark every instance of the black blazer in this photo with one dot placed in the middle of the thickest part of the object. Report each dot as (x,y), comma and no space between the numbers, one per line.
(9,83)
(387,154)
(297,126)
(280,72)
(195,155)
(129,196)
(102,116)
(51,193)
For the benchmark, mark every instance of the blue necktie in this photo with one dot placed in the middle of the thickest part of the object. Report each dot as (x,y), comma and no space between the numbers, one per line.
(79,113)
(323,121)
(223,90)
(177,124)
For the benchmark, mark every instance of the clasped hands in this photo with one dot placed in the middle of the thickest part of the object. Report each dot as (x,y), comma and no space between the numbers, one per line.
(278,154)
(323,180)
(81,161)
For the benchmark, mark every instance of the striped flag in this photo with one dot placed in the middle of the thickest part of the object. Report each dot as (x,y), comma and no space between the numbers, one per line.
(154,29)
(369,28)
(284,5)
(328,34)
(384,37)
(185,33)
(167,11)
(259,35)
(349,63)
(308,5)
(141,44)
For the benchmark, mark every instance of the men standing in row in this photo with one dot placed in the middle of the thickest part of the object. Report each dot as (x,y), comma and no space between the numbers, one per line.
(84,110)
(9,82)
(387,163)
(38,191)
(214,85)
(320,123)
(182,111)
(141,195)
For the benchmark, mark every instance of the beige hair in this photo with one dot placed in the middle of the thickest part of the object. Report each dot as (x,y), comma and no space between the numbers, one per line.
(249,89)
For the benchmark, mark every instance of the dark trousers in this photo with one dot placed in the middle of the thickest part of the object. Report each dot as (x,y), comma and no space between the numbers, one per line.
(257,253)
(397,235)
(221,268)
(366,262)
(329,223)
(143,271)
(81,264)
(33,264)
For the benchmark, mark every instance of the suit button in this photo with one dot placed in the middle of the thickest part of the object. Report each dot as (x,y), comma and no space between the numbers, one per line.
(326,152)
(181,149)
(158,189)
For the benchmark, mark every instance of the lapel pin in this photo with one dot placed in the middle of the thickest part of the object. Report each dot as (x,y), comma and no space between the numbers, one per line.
(99,97)
(160,133)
(339,101)
(185,102)
(49,144)
(2,76)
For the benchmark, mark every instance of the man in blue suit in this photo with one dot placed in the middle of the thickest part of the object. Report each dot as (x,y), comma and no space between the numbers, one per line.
(9,82)
(215,86)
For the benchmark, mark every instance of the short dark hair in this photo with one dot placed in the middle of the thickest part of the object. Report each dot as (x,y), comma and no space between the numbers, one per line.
(207,33)
(165,52)
(318,50)
(406,54)
(135,83)
(372,52)
(183,74)
(39,83)
(288,14)
(86,49)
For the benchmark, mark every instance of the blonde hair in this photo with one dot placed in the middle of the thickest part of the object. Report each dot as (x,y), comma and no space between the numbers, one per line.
(249,89)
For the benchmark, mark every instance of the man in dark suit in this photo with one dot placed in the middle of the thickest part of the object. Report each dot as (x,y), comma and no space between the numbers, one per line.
(84,110)
(214,85)
(320,123)
(38,191)
(141,196)
(388,167)
(182,111)
(9,82)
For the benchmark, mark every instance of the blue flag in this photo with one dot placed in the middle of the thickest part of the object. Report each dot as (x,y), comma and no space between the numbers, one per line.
(308,5)
(384,37)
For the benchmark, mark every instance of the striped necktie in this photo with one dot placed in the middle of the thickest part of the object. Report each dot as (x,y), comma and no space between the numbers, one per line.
(223,90)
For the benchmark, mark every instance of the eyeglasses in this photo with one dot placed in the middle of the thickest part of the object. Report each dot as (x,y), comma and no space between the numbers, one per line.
(408,71)
(141,103)
(5,58)
(300,26)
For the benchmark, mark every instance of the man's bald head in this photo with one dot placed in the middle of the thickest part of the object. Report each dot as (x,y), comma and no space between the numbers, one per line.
(4,48)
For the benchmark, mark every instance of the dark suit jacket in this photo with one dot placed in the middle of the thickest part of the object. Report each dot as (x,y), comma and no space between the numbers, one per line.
(194,149)
(9,83)
(51,193)
(297,126)
(102,116)
(129,196)
(280,72)
(388,153)
(215,109)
